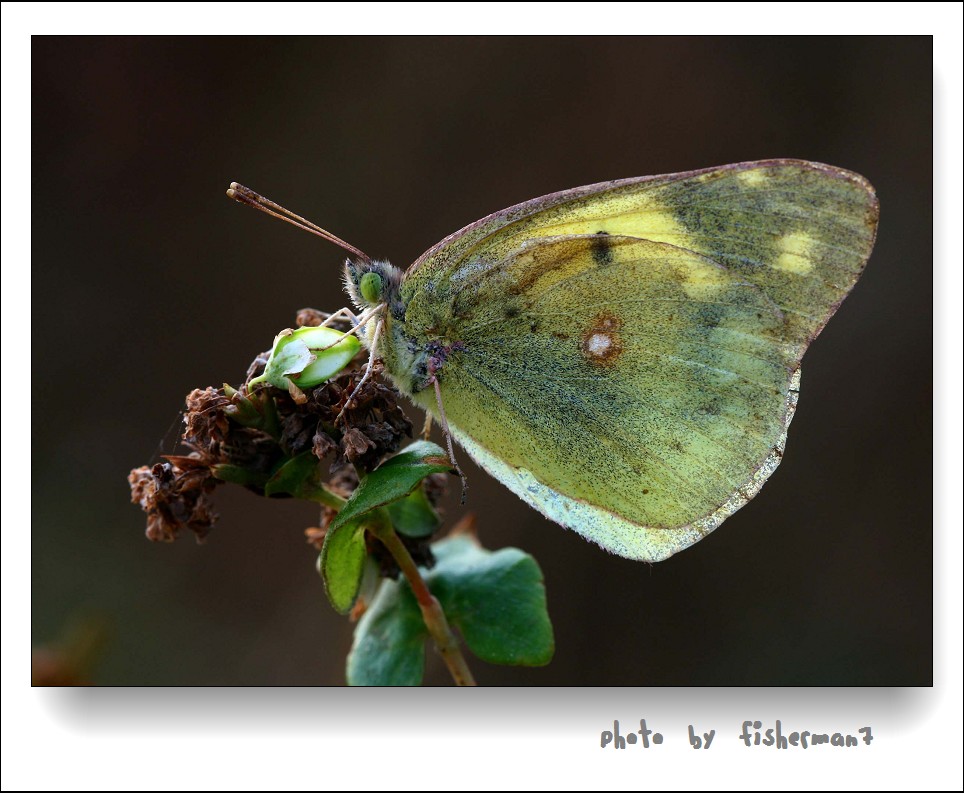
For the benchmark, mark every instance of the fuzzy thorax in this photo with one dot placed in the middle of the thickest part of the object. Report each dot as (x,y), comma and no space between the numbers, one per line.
(371,284)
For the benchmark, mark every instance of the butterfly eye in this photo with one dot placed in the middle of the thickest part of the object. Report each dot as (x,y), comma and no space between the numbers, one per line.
(370,287)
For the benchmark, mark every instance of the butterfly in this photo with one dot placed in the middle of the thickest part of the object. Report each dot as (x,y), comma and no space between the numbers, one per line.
(625,356)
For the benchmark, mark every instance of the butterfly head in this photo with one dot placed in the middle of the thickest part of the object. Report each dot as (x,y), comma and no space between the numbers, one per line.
(374,283)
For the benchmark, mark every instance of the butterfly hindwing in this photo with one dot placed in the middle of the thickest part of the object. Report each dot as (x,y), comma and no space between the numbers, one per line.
(639,384)
(625,356)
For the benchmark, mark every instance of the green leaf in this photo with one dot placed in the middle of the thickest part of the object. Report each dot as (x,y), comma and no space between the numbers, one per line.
(341,564)
(394,479)
(414,515)
(292,477)
(238,475)
(343,556)
(497,600)
(371,580)
(389,644)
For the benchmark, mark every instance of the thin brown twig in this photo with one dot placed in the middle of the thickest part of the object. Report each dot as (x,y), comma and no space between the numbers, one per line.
(432,612)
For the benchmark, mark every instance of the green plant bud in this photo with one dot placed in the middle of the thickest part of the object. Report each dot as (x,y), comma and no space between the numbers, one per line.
(307,357)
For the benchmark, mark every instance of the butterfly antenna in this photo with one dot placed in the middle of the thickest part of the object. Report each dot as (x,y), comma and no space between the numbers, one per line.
(247,196)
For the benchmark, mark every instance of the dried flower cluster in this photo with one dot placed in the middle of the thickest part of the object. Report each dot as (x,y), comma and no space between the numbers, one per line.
(233,435)
(174,497)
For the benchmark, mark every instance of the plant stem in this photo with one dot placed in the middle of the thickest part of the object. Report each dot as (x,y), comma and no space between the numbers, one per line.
(432,612)
(322,495)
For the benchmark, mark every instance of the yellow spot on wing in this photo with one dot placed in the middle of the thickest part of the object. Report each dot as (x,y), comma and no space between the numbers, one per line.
(703,282)
(623,217)
(795,250)
(752,178)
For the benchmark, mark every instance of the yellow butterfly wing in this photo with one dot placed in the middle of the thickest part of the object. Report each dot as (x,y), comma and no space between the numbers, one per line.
(625,357)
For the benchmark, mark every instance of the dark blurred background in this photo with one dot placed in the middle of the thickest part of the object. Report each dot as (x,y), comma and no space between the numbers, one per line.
(148,282)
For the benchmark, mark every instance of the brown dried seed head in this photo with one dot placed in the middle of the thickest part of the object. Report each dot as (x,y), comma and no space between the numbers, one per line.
(355,444)
(205,423)
(174,499)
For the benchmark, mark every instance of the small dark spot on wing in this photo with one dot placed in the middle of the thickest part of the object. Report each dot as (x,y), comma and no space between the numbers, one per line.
(711,408)
(712,315)
(601,247)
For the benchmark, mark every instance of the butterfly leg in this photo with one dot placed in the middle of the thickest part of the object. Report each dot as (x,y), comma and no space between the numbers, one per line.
(345,313)
(448,437)
(368,369)
(427,427)
(359,323)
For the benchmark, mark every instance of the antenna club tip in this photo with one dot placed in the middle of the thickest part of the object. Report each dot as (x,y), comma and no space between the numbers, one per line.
(244,194)
(237,191)
(247,196)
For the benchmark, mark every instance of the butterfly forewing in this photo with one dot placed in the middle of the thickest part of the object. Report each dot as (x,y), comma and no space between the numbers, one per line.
(801,231)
